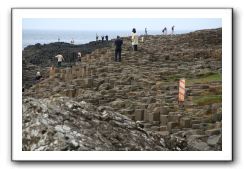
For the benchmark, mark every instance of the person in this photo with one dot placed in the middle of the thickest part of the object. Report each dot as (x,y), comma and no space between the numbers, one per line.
(79,57)
(118,48)
(165,30)
(146,31)
(173,29)
(102,38)
(106,37)
(38,76)
(142,39)
(72,41)
(60,59)
(97,37)
(134,39)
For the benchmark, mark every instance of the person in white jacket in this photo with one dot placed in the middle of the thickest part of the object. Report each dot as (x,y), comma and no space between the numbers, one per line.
(79,57)
(60,59)
(134,39)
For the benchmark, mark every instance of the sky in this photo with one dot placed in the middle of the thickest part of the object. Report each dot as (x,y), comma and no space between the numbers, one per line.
(113,24)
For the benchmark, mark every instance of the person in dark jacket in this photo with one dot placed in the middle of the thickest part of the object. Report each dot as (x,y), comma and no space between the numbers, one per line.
(173,29)
(118,48)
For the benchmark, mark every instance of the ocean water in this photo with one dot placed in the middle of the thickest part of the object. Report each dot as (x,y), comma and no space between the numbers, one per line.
(32,37)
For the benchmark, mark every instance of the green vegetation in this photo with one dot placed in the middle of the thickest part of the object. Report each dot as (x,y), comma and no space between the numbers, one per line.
(206,79)
(205,100)
(190,81)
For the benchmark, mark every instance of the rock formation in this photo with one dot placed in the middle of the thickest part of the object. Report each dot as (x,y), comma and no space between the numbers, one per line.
(100,104)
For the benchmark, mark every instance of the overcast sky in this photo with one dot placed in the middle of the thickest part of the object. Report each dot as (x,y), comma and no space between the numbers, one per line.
(108,24)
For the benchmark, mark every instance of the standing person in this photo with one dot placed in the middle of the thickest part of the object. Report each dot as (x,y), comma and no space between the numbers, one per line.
(38,76)
(134,39)
(142,39)
(106,37)
(60,59)
(173,29)
(118,48)
(96,37)
(102,38)
(146,31)
(72,41)
(165,30)
(79,57)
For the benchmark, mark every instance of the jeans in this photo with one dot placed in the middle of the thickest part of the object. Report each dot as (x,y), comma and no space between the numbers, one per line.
(59,64)
(117,55)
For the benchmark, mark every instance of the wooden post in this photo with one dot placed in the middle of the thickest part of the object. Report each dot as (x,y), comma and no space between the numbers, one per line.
(182,91)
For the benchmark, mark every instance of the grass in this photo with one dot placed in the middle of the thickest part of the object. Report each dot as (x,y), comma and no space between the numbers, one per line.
(205,100)
(206,79)
(190,81)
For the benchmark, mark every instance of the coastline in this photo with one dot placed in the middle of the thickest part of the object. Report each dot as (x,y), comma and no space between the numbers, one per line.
(41,56)
(136,98)
(80,37)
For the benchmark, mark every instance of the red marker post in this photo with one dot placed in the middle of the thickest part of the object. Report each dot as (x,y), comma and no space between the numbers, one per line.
(182,91)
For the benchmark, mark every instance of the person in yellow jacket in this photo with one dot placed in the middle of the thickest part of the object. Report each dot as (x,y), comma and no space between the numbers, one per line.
(134,39)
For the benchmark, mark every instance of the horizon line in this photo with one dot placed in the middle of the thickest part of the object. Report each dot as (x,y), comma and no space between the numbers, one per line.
(114,30)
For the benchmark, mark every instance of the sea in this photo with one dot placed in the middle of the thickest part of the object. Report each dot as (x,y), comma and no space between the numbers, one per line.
(32,37)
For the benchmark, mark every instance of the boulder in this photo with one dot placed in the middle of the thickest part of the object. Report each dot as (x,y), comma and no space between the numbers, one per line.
(214,139)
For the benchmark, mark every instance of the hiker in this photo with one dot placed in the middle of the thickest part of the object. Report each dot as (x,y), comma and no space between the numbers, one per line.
(134,39)
(102,38)
(97,37)
(142,39)
(173,29)
(38,76)
(146,31)
(72,41)
(164,31)
(106,37)
(60,59)
(79,57)
(118,48)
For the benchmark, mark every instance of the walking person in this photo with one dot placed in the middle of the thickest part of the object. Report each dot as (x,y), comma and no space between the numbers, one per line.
(60,59)
(134,39)
(173,29)
(102,38)
(165,31)
(118,48)
(106,37)
(146,31)
(38,76)
(72,41)
(79,57)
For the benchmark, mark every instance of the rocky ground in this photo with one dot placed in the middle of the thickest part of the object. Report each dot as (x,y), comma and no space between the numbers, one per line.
(39,57)
(100,104)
